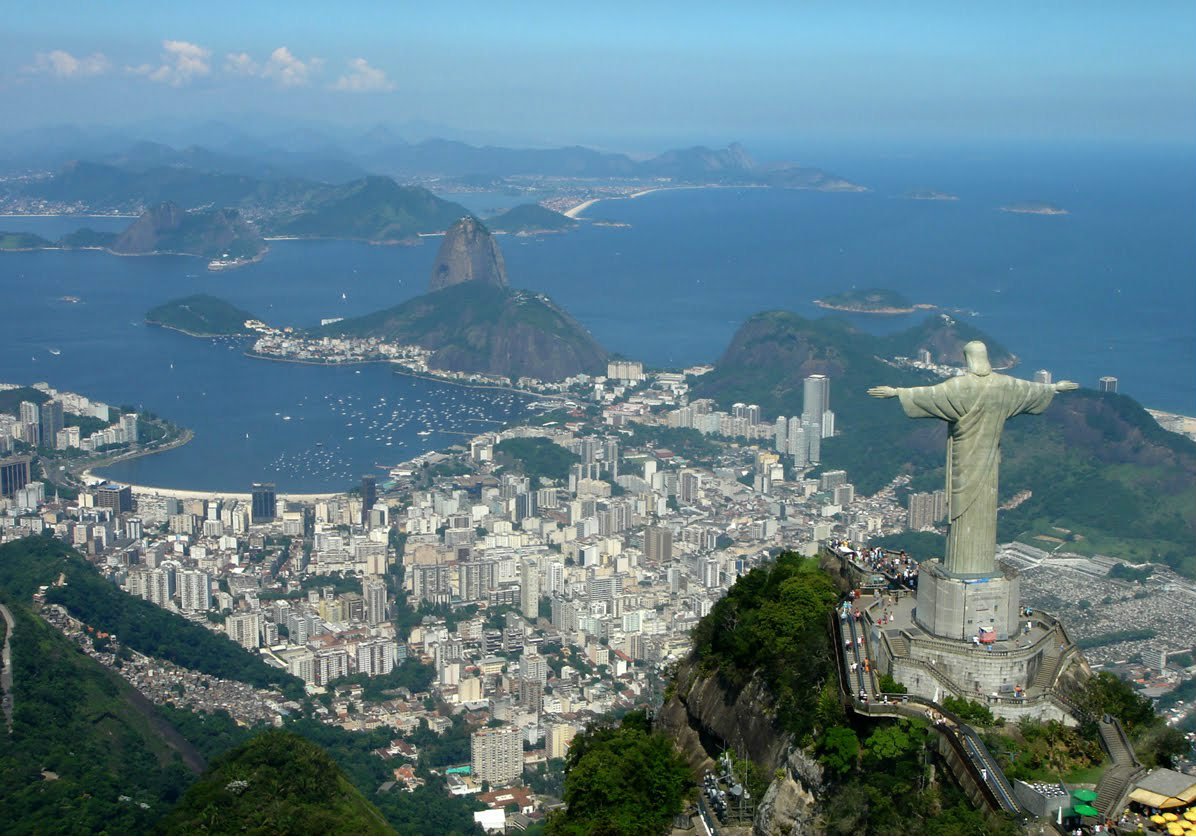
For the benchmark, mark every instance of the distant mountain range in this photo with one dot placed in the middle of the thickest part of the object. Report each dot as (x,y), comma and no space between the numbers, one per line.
(195,176)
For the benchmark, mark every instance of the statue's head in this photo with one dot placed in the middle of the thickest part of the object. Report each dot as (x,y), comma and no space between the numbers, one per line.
(976,355)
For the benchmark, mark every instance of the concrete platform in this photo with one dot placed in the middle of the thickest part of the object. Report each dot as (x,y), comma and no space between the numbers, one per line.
(934,667)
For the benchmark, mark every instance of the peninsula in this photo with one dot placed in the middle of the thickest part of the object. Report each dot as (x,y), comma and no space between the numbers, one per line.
(201,315)
(531,219)
(871,301)
(473,322)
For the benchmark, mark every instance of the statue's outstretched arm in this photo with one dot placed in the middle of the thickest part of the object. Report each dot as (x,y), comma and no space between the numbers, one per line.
(883,392)
(1066,386)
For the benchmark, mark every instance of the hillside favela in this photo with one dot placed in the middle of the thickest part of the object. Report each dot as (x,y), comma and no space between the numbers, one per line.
(643,419)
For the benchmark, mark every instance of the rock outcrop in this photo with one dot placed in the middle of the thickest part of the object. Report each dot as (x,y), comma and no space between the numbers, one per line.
(468,254)
(480,327)
(213,234)
(704,719)
(790,805)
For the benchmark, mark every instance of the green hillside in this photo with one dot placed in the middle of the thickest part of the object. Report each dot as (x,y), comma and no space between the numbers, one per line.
(200,315)
(22,241)
(530,218)
(372,209)
(772,625)
(1096,464)
(479,327)
(210,233)
(87,237)
(31,562)
(87,754)
(276,783)
(10,399)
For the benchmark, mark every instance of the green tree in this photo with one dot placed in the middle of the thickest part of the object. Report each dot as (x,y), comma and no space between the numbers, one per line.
(839,749)
(622,779)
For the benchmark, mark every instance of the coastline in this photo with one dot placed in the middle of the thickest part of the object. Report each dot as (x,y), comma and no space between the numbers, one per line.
(576,211)
(90,475)
(854,310)
(181,330)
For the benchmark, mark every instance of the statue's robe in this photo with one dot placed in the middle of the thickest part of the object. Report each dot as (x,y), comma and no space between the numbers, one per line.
(976,407)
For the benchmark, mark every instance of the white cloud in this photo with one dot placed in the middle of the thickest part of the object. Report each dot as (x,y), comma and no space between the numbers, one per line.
(239,63)
(64,65)
(287,70)
(362,78)
(283,67)
(181,62)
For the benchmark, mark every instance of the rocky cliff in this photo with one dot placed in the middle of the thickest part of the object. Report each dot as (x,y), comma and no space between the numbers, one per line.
(704,718)
(212,234)
(468,254)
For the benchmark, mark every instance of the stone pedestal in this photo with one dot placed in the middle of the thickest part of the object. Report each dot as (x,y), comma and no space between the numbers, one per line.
(958,608)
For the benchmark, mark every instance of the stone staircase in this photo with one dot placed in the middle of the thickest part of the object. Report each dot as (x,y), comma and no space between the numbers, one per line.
(1125,770)
(1115,743)
(898,643)
(1045,678)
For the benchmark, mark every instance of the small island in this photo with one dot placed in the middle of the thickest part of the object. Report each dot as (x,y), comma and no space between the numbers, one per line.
(930,195)
(870,301)
(201,316)
(1034,208)
(531,219)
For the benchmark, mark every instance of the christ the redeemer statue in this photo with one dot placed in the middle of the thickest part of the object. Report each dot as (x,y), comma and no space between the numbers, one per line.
(975,405)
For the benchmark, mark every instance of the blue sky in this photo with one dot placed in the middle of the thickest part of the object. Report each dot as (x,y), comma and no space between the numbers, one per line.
(646,73)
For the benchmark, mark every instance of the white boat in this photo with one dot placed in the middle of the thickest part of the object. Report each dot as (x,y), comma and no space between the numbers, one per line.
(55,352)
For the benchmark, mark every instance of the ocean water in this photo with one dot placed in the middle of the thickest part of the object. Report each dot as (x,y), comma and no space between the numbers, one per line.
(1106,290)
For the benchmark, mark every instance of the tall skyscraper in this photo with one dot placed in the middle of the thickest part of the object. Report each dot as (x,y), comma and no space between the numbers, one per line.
(610,456)
(781,435)
(799,445)
(51,421)
(556,578)
(114,496)
(816,398)
(31,421)
(658,544)
(1108,384)
(373,590)
(1042,376)
(497,755)
(926,509)
(14,474)
(369,495)
(265,502)
(245,629)
(529,590)
(813,430)
(828,423)
(195,592)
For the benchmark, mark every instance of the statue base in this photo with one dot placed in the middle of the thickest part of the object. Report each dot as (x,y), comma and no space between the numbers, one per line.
(963,608)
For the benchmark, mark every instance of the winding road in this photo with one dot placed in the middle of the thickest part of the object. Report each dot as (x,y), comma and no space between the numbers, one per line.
(6,672)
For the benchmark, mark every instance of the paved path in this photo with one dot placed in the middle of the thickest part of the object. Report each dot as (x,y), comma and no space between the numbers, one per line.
(6,673)
(861,688)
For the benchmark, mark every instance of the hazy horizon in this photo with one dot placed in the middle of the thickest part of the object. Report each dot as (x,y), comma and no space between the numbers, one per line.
(622,77)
